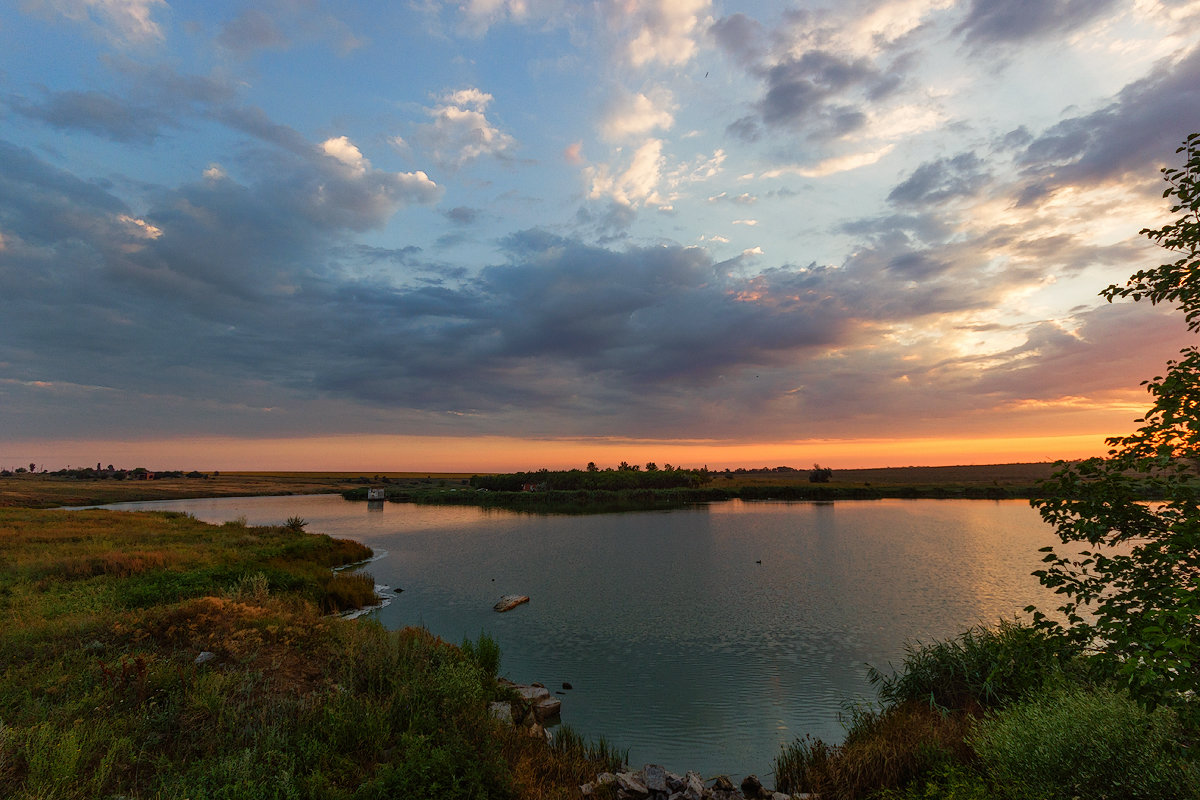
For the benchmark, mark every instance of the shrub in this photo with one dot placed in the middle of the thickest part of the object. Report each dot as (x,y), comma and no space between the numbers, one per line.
(1074,742)
(485,652)
(883,749)
(983,667)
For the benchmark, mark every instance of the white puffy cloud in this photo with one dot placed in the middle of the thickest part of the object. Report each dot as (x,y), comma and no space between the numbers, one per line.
(342,150)
(636,184)
(635,115)
(461,132)
(648,178)
(663,31)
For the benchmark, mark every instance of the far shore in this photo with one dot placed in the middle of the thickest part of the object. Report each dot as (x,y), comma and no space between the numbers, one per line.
(45,490)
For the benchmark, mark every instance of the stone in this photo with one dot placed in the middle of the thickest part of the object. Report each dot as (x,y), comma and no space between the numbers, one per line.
(753,789)
(782,796)
(655,778)
(605,778)
(510,601)
(567,685)
(723,784)
(547,708)
(205,657)
(630,784)
(533,694)
(501,711)
(693,786)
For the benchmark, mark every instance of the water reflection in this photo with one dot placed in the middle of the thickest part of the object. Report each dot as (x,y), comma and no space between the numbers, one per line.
(702,638)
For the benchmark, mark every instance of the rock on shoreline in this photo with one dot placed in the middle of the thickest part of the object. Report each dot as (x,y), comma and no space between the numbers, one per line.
(652,782)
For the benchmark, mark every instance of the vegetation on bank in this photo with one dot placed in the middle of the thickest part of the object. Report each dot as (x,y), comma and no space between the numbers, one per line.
(601,501)
(102,618)
(1102,698)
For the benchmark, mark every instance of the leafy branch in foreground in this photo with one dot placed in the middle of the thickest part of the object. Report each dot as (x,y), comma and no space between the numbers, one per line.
(1131,580)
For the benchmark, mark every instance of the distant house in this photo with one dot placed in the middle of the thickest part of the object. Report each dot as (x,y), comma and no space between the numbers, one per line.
(375,494)
(533,487)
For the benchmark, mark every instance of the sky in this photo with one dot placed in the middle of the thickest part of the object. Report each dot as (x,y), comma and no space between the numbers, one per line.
(507,234)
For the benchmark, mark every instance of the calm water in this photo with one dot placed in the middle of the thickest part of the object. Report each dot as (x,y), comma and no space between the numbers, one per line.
(678,642)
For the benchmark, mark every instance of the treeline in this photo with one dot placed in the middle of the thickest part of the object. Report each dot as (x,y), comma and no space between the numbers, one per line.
(606,480)
(108,473)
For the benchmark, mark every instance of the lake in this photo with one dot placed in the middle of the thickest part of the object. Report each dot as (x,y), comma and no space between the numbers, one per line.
(701,638)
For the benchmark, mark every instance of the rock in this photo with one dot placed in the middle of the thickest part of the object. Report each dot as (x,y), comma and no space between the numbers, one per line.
(782,796)
(753,789)
(501,711)
(510,601)
(630,785)
(567,685)
(536,731)
(674,782)
(533,694)
(605,778)
(547,709)
(205,657)
(655,778)
(723,784)
(693,786)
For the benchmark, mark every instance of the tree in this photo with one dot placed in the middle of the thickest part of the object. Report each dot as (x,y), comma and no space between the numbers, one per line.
(1138,565)
(591,467)
(819,474)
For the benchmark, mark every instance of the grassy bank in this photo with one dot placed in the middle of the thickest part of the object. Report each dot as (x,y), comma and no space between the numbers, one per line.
(599,501)
(1007,712)
(103,616)
(47,490)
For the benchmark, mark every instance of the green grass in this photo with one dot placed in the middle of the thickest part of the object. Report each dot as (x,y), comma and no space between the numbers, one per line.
(102,616)
(1003,712)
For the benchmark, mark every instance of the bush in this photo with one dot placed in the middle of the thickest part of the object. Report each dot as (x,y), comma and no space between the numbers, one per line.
(1074,742)
(485,652)
(883,749)
(983,667)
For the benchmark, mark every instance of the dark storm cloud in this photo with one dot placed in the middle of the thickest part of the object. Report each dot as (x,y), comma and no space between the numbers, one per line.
(98,113)
(462,215)
(991,22)
(939,181)
(742,37)
(1137,131)
(819,91)
(798,90)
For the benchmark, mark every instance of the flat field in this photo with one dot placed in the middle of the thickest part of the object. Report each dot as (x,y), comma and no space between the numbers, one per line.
(44,490)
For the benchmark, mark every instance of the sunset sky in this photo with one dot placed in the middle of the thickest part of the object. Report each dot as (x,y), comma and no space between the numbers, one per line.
(505,234)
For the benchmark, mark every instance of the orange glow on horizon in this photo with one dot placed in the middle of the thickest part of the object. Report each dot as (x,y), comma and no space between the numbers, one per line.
(369,453)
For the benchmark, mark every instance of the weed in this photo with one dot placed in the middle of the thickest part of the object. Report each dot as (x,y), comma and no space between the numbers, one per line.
(485,652)
(1078,742)
(982,667)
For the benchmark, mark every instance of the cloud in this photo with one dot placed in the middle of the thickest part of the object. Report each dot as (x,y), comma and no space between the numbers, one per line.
(97,113)
(573,153)
(637,183)
(250,31)
(461,132)
(998,22)
(461,215)
(1134,133)
(830,166)
(121,21)
(631,116)
(940,181)
(662,31)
